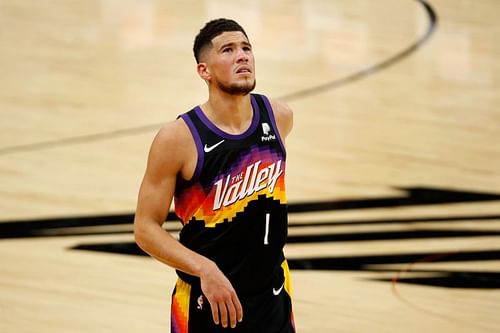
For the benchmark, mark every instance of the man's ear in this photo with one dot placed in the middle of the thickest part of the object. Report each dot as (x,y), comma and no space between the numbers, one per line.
(203,71)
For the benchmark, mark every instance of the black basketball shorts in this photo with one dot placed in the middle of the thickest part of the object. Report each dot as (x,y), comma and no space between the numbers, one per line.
(268,312)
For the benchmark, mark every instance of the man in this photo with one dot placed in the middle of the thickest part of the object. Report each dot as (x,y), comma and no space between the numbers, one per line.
(224,165)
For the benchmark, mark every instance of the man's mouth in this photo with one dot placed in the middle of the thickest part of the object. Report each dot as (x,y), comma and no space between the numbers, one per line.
(243,70)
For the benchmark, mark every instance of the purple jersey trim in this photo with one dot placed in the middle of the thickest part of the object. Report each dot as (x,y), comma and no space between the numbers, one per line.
(199,147)
(270,112)
(221,133)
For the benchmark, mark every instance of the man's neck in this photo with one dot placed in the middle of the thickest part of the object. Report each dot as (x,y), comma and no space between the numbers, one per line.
(231,113)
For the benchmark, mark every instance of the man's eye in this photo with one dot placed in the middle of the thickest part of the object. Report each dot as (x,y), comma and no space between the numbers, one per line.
(227,49)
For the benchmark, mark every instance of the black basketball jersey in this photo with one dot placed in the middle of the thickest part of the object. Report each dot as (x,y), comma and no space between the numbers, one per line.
(234,209)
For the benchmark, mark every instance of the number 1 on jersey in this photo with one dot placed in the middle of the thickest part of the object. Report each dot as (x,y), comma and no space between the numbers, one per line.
(266,235)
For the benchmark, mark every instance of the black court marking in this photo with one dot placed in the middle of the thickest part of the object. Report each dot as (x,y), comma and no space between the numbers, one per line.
(434,278)
(370,262)
(453,279)
(80,139)
(315,90)
(407,221)
(416,196)
(389,235)
(116,224)
(411,196)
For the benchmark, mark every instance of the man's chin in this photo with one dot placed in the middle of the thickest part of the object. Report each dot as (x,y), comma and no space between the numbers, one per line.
(238,89)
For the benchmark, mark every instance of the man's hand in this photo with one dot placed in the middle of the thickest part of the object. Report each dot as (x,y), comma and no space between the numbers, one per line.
(222,297)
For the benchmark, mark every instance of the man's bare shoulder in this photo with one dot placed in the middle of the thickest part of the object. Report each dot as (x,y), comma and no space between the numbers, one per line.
(284,116)
(171,143)
(172,133)
(281,107)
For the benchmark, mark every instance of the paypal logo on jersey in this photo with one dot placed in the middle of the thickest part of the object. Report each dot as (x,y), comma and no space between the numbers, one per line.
(267,133)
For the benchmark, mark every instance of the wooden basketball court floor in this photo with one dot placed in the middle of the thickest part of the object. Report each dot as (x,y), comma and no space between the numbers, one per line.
(393,165)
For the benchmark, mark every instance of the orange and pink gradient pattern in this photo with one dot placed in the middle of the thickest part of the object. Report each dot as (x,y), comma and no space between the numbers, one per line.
(180,307)
(260,172)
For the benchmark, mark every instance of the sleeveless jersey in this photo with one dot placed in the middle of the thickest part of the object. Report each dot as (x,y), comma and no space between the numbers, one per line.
(234,209)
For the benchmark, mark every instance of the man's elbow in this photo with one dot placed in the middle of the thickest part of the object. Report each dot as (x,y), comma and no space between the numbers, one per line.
(140,234)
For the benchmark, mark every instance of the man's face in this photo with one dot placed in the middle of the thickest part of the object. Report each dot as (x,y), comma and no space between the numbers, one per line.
(231,64)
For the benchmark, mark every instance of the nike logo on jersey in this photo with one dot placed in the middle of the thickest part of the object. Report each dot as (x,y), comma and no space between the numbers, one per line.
(209,149)
(255,180)
(277,292)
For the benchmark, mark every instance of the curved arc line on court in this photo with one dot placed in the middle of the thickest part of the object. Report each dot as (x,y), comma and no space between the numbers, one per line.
(288,97)
(375,68)
(429,311)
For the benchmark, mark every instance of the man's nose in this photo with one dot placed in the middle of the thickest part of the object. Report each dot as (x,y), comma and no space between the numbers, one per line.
(242,55)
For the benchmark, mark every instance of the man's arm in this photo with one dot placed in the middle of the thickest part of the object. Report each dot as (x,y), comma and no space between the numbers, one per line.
(168,156)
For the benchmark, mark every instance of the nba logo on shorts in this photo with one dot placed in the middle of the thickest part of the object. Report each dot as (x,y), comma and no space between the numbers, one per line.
(200,303)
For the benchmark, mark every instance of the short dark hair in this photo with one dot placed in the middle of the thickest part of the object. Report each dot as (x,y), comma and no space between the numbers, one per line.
(211,30)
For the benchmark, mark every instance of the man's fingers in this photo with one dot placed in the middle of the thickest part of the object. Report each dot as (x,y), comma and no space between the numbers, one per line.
(215,312)
(232,313)
(223,314)
(227,312)
(239,308)
(224,303)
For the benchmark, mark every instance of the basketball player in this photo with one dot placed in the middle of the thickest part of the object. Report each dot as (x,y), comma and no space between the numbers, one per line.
(223,163)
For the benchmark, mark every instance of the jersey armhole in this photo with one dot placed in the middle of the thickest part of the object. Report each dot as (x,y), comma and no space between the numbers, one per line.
(199,148)
(270,114)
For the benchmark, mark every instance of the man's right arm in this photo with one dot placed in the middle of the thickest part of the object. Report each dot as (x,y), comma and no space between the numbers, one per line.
(169,155)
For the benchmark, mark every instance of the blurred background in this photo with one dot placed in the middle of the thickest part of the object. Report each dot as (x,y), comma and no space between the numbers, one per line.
(393,169)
